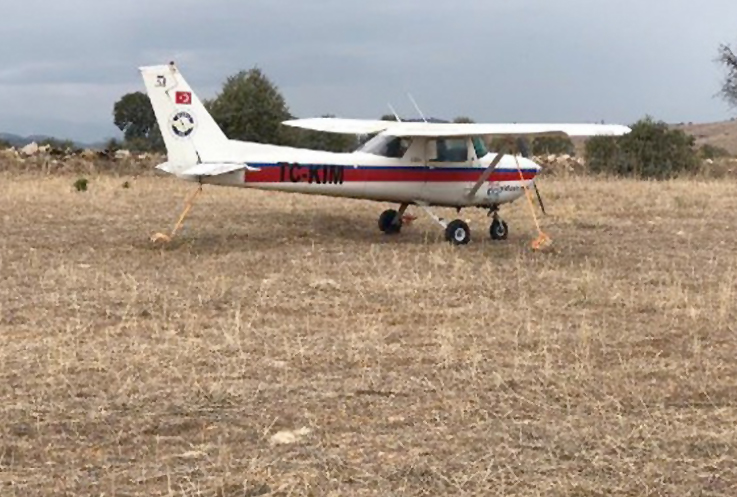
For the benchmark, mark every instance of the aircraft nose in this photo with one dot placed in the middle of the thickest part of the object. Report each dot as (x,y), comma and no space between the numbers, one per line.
(531,166)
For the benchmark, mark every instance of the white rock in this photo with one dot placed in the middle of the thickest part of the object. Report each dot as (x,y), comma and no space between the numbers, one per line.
(30,149)
(287,437)
(325,284)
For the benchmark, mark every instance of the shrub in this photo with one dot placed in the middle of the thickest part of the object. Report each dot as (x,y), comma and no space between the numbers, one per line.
(58,144)
(113,145)
(651,151)
(508,144)
(708,151)
(81,185)
(558,145)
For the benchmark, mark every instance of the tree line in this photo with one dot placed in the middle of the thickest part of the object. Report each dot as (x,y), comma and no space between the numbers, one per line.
(250,107)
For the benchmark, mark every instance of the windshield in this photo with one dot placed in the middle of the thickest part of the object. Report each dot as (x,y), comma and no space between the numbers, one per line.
(386,146)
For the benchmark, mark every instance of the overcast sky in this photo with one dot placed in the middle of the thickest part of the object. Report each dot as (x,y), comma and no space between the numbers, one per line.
(64,64)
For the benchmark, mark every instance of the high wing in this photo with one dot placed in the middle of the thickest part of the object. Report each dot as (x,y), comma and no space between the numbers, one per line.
(340,125)
(433,129)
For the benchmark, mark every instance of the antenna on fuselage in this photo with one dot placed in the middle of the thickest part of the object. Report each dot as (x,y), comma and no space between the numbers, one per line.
(416,107)
(394,112)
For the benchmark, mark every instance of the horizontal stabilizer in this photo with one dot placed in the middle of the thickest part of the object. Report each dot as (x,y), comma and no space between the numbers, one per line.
(206,168)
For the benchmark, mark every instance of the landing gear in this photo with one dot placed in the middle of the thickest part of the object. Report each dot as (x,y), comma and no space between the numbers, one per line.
(458,233)
(390,221)
(387,222)
(498,229)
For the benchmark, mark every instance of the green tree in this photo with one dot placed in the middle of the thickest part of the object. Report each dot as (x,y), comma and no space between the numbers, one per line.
(728,58)
(251,108)
(557,145)
(331,142)
(507,144)
(653,150)
(463,120)
(135,117)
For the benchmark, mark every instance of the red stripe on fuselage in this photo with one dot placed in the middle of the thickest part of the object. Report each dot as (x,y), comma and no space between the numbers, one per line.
(321,174)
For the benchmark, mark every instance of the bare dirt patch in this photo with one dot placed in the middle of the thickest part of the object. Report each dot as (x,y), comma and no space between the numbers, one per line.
(282,345)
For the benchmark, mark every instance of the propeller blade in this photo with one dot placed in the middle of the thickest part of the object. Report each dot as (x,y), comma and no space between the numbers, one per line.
(540,199)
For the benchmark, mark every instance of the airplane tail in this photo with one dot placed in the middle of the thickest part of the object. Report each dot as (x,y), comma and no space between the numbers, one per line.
(190,133)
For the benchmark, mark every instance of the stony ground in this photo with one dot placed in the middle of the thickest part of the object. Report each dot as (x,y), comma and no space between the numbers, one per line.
(282,346)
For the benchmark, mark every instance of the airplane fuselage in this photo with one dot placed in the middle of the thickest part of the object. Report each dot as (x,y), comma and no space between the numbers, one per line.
(363,175)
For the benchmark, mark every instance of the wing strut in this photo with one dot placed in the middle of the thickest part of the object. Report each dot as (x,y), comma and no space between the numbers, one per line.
(485,175)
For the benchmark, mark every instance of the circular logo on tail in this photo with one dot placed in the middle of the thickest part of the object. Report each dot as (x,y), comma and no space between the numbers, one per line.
(182,124)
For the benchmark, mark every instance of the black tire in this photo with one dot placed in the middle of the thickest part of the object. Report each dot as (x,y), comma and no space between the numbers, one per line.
(386,222)
(498,230)
(458,232)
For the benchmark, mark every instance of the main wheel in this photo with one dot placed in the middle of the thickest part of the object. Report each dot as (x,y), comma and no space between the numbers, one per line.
(458,232)
(386,222)
(498,230)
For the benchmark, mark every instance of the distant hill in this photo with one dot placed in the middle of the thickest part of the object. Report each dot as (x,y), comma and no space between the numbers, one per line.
(720,134)
(21,141)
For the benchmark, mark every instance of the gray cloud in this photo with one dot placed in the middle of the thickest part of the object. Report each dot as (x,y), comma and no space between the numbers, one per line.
(64,66)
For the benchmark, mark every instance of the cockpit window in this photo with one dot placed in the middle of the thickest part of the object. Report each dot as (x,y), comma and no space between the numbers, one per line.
(451,150)
(480,147)
(386,146)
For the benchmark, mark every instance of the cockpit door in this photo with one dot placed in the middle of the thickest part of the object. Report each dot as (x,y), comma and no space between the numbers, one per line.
(448,165)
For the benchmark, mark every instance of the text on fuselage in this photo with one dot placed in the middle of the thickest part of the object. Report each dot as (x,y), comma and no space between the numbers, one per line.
(321,174)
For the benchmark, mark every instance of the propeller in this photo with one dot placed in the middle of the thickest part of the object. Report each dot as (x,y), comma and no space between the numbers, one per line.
(523,147)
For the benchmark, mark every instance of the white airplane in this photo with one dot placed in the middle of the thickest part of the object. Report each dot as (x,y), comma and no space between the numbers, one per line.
(406,163)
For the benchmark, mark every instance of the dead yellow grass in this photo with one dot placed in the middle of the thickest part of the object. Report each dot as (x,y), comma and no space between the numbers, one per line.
(282,345)
(719,134)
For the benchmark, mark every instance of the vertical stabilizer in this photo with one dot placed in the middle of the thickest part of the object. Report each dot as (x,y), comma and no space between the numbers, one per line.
(190,133)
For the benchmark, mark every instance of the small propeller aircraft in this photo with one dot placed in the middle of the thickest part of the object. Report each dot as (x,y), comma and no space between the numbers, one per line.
(424,164)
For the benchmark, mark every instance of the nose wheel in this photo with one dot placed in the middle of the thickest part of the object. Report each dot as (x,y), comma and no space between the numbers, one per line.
(498,230)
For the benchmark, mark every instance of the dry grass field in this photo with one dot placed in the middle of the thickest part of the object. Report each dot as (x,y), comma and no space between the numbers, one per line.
(281,345)
(720,134)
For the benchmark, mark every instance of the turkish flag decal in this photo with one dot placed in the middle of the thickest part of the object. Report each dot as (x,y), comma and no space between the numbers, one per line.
(184,98)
